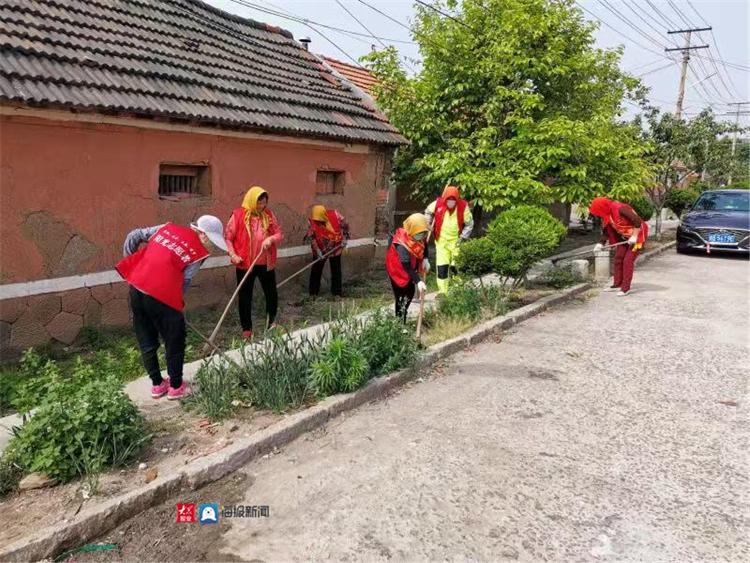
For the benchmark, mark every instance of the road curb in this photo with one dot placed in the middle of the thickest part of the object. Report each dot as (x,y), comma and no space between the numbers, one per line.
(646,256)
(102,518)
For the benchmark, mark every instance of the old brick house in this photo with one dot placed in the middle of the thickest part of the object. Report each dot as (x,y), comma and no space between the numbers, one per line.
(115,115)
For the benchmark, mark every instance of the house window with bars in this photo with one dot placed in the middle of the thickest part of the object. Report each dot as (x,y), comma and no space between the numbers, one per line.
(184,180)
(330,182)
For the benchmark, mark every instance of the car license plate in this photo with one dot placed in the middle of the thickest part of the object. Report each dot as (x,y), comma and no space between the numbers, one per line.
(721,238)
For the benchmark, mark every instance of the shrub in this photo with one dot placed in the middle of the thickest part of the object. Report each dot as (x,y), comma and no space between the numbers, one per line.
(340,368)
(74,420)
(643,207)
(463,301)
(522,236)
(680,199)
(386,344)
(474,258)
(215,387)
(275,376)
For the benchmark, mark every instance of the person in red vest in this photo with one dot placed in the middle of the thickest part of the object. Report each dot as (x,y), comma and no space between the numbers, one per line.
(620,223)
(406,259)
(328,235)
(452,223)
(252,235)
(158,275)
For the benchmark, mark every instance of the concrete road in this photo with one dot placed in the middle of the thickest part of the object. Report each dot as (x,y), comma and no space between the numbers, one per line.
(608,429)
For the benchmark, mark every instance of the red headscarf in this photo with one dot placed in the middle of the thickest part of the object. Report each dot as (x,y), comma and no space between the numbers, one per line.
(602,207)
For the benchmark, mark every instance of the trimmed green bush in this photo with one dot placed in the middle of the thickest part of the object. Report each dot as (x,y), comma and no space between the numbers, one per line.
(643,207)
(522,236)
(78,415)
(678,200)
(341,368)
(474,257)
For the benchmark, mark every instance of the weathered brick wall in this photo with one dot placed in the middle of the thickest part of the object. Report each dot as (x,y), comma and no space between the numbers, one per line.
(68,204)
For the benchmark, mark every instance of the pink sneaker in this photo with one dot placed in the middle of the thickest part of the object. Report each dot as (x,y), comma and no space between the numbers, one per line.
(247,334)
(178,393)
(158,391)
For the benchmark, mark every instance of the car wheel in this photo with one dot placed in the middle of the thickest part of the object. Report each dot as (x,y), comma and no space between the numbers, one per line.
(681,249)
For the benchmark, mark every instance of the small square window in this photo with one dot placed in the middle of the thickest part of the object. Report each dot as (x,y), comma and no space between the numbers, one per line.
(184,180)
(330,182)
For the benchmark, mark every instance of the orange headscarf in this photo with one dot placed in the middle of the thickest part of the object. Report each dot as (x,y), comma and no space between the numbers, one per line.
(602,208)
(451,191)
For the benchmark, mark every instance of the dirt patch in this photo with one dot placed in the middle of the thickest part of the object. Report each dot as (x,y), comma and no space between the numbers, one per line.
(179,438)
(154,535)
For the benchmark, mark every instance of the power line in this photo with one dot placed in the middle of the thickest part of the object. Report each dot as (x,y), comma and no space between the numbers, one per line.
(629,23)
(670,23)
(718,50)
(713,63)
(654,70)
(303,21)
(659,32)
(431,7)
(356,19)
(593,15)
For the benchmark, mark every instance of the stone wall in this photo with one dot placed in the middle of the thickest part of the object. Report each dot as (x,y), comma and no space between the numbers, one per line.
(32,321)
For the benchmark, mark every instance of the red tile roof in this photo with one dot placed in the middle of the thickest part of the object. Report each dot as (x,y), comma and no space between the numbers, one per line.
(360,76)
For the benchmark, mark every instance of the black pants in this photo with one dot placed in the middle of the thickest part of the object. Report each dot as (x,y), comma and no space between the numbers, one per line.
(316,272)
(268,283)
(403,296)
(152,319)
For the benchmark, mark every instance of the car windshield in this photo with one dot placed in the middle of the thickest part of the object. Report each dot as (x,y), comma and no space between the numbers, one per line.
(718,201)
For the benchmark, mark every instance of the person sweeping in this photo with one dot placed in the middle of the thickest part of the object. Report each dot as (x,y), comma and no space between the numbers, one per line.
(327,235)
(406,259)
(158,275)
(452,223)
(252,235)
(620,223)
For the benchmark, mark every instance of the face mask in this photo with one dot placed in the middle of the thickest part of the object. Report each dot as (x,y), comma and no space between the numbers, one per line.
(450,204)
(418,236)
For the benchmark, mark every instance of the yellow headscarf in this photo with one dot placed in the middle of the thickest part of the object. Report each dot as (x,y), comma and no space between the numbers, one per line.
(416,223)
(250,205)
(319,213)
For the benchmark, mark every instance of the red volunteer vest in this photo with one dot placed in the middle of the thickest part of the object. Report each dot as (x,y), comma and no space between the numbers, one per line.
(157,268)
(440,210)
(624,227)
(393,264)
(321,232)
(241,241)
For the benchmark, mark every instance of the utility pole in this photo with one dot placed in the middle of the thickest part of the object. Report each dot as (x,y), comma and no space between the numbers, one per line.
(734,137)
(685,59)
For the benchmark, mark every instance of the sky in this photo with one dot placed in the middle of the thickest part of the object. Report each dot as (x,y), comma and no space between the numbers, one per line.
(639,25)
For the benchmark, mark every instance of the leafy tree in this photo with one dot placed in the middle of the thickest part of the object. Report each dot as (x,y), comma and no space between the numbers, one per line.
(684,149)
(513,103)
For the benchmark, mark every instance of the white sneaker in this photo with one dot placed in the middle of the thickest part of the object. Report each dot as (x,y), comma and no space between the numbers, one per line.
(612,288)
(622,293)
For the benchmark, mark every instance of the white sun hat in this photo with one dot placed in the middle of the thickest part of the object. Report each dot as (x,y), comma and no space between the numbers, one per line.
(211,226)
